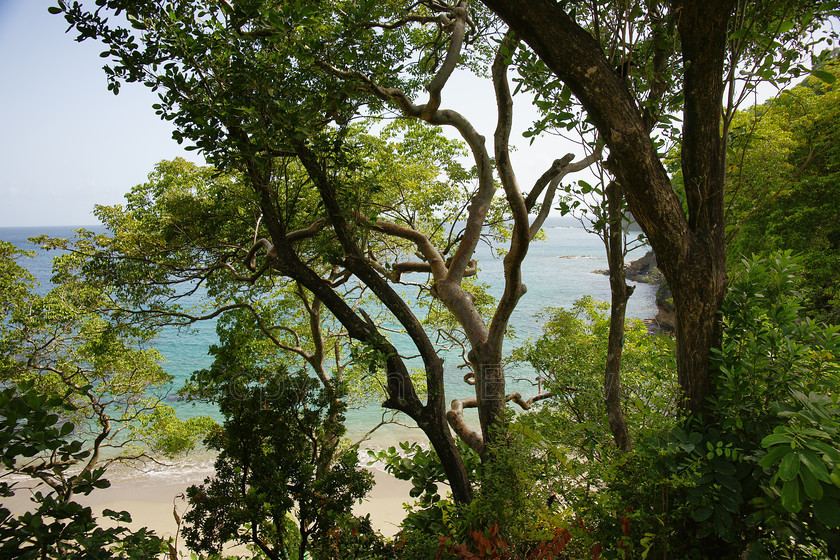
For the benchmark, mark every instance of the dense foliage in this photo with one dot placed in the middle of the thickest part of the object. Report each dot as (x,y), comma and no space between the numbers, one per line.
(570,359)
(784,176)
(283,482)
(759,477)
(317,219)
(60,341)
(36,439)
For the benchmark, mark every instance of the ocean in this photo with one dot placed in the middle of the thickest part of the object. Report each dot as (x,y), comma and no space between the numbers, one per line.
(557,272)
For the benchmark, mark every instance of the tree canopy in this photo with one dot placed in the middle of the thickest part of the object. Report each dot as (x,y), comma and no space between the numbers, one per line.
(310,205)
(783,183)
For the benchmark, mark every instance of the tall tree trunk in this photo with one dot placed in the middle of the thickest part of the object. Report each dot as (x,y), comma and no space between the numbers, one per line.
(701,285)
(697,298)
(620,292)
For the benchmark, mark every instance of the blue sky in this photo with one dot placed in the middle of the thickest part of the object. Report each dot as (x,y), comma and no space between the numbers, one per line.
(67,143)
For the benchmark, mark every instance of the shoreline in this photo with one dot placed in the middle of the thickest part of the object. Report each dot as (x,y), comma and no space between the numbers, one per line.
(644,271)
(152,502)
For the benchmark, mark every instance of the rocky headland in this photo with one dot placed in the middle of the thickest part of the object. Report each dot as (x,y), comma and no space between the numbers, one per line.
(645,270)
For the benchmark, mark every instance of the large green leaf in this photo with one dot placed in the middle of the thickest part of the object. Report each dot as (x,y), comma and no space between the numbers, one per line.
(790,496)
(827,512)
(827,77)
(815,465)
(774,455)
(789,467)
(775,439)
(812,486)
(702,513)
(830,452)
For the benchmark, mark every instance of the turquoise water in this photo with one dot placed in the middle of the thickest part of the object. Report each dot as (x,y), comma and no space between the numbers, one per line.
(557,272)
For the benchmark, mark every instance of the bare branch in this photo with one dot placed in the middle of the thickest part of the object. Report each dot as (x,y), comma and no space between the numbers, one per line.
(520,237)
(563,169)
(404,21)
(551,173)
(526,404)
(305,233)
(434,260)
(251,257)
(263,243)
(455,417)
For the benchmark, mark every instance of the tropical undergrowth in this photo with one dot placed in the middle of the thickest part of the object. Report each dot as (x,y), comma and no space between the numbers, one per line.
(757,477)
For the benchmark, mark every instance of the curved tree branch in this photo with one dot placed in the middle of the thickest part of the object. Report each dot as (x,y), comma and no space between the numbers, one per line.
(455,417)
(458,27)
(563,169)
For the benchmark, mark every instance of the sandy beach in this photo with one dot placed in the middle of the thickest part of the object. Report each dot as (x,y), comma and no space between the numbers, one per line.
(151,500)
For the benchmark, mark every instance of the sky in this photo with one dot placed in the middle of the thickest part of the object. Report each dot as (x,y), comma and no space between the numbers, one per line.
(67,143)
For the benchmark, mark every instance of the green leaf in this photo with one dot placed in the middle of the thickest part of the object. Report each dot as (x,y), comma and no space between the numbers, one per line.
(66,428)
(721,465)
(757,551)
(775,439)
(789,467)
(826,77)
(722,521)
(785,26)
(832,453)
(702,513)
(730,501)
(728,482)
(773,456)
(827,512)
(813,488)
(815,465)
(790,496)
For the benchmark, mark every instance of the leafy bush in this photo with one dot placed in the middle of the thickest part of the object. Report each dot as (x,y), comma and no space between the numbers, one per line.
(778,402)
(759,475)
(511,500)
(570,356)
(35,441)
(283,482)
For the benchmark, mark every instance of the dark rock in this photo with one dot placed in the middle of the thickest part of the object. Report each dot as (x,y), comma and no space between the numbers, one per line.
(643,270)
(666,318)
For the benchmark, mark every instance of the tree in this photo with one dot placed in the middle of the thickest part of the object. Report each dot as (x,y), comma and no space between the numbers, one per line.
(282,482)
(58,343)
(783,184)
(269,90)
(35,439)
(714,40)
(571,355)
(230,78)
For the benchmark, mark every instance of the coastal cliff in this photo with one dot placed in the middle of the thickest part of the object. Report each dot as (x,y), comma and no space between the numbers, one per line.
(644,270)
